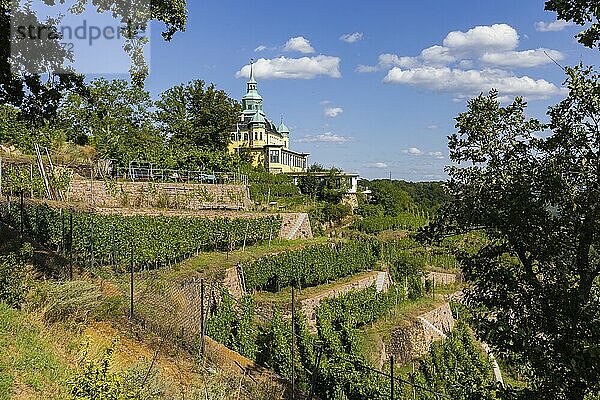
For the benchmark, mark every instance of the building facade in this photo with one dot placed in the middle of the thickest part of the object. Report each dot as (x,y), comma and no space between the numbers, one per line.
(266,143)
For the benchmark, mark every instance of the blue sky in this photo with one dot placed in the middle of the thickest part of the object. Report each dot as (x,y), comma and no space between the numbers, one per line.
(380,99)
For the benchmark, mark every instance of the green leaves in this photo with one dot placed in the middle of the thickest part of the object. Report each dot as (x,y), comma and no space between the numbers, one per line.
(534,190)
(309,267)
(156,241)
(197,115)
(581,12)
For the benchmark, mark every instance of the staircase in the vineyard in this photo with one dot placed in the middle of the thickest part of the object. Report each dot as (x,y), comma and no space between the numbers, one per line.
(295,226)
(382,281)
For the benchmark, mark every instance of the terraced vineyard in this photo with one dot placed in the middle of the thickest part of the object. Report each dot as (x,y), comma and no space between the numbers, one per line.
(152,241)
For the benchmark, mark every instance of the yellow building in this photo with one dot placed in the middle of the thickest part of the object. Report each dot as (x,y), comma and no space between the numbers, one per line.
(267,144)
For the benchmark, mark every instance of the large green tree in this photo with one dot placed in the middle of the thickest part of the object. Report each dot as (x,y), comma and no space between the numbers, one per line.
(116,118)
(582,12)
(197,114)
(534,189)
(390,197)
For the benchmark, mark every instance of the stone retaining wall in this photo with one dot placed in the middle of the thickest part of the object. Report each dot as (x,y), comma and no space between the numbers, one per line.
(310,305)
(160,195)
(413,337)
(442,278)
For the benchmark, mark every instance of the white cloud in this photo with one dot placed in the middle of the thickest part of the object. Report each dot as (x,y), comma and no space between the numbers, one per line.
(352,37)
(299,44)
(333,112)
(433,126)
(436,154)
(527,58)
(498,37)
(389,60)
(413,151)
(377,165)
(324,102)
(465,83)
(293,68)
(470,62)
(437,55)
(327,137)
(553,26)
(262,47)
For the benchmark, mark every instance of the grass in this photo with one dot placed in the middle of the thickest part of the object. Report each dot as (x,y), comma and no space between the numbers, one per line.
(28,366)
(284,295)
(374,335)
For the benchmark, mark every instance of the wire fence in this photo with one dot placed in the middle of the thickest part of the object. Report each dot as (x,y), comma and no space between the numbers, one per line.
(150,173)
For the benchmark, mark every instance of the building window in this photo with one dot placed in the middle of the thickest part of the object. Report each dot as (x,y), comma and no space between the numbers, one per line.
(261,136)
(274,156)
(245,135)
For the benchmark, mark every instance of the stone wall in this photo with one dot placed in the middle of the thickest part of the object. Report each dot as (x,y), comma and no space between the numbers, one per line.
(232,282)
(442,278)
(310,305)
(413,337)
(159,195)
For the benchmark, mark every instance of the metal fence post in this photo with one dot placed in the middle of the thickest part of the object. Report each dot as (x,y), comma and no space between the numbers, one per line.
(131,285)
(202,317)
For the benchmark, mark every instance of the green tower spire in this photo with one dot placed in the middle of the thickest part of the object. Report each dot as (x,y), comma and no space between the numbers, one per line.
(252,101)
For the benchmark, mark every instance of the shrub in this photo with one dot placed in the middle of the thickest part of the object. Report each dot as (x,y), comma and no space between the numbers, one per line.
(12,280)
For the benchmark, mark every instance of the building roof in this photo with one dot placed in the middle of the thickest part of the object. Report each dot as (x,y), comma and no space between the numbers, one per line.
(258,119)
(282,128)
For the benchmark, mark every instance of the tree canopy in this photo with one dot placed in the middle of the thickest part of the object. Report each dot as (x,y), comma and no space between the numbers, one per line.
(198,115)
(534,189)
(581,12)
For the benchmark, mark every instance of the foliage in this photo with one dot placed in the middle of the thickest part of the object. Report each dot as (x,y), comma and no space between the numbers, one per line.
(115,117)
(310,266)
(379,223)
(457,368)
(581,12)
(428,196)
(12,280)
(233,325)
(393,199)
(329,212)
(328,185)
(95,379)
(197,114)
(154,240)
(536,281)
(344,371)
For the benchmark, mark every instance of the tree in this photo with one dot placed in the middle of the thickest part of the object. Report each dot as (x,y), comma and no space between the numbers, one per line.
(581,12)
(393,199)
(534,190)
(115,118)
(198,115)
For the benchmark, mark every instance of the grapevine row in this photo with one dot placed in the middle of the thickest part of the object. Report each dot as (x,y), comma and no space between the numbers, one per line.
(310,266)
(153,240)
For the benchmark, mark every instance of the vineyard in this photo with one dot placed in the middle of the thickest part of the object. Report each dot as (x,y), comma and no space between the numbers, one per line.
(148,241)
(309,267)
(404,221)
